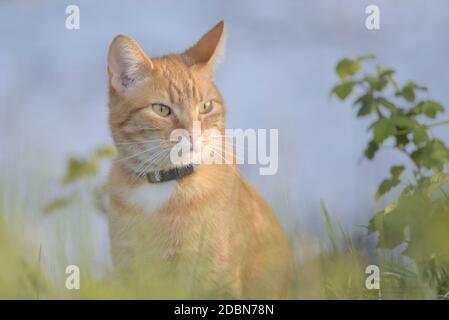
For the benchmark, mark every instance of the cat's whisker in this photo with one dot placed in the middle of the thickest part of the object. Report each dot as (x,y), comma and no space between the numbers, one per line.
(139,170)
(225,146)
(222,158)
(144,165)
(143,168)
(234,154)
(151,158)
(224,140)
(162,145)
(231,149)
(155,160)
(137,154)
(130,142)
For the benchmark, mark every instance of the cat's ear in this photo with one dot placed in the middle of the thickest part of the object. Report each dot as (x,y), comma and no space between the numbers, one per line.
(127,64)
(208,50)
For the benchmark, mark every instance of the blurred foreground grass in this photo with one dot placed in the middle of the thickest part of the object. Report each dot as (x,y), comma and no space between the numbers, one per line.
(337,271)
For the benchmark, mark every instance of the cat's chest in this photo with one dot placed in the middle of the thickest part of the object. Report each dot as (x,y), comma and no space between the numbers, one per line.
(149,197)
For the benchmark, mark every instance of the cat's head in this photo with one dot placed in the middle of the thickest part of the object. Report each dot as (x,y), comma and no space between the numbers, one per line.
(152,97)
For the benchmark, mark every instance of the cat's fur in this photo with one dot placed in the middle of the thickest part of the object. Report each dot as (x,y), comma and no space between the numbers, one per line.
(212,223)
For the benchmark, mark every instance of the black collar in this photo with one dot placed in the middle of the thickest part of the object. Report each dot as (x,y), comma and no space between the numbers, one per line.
(168,175)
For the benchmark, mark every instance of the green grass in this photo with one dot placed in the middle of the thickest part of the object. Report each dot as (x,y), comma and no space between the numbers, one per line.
(337,271)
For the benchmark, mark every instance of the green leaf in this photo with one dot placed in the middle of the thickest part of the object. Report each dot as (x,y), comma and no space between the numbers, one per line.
(383,129)
(434,155)
(402,139)
(389,183)
(366,104)
(366,98)
(344,89)
(420,136)
(429,108)
(365,110)
(408,94)
(396,171)
(393,82)
(391,226)
(437,184)
(385,186)
(105,152)
(376,83)
(387,104)
(404,122)
(408,91)
(347,67)
(371,150)
(78,168)
(59,203)
(382,72)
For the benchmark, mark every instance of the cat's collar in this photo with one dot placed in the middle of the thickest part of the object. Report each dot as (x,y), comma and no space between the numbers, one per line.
(168,175)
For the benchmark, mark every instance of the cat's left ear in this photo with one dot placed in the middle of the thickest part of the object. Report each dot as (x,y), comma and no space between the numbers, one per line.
(206,53)
(127,64)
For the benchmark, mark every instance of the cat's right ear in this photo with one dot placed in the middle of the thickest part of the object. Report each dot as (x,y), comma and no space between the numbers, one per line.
(205,54)
(127,64)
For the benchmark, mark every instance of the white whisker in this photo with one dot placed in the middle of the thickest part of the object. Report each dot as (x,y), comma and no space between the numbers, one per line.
(138,154)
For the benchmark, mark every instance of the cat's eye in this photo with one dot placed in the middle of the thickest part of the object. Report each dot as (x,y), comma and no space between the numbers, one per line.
(161,109)
(206,107)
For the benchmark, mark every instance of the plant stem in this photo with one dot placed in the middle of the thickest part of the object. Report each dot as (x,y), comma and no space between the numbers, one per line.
(418,167)
(436,124)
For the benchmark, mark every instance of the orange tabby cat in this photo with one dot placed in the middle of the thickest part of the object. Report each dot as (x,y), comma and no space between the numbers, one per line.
(206,221)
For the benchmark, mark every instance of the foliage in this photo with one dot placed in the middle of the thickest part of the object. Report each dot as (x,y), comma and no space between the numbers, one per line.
(80,178)
(419,217)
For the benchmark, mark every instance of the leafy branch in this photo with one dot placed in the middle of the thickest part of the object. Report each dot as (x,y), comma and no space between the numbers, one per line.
(402,120)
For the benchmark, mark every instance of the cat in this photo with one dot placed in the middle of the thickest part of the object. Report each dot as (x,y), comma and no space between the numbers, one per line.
(175,218)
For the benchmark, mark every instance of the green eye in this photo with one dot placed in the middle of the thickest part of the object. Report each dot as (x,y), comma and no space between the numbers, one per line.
(206,107)
(161,109)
